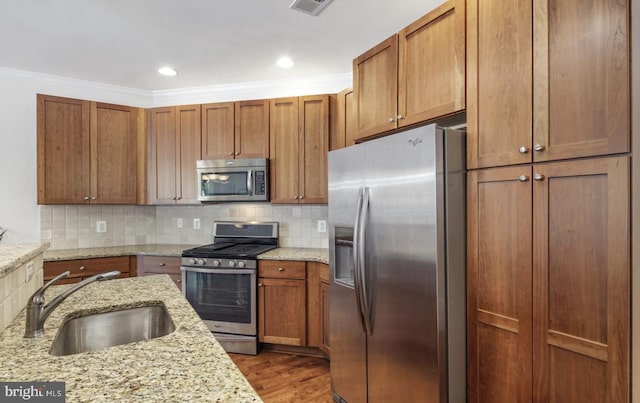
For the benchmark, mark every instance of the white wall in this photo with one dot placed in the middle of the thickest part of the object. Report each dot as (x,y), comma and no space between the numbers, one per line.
(19,212)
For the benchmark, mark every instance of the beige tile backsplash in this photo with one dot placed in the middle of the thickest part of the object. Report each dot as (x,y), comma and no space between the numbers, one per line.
(15,289)
(68,227)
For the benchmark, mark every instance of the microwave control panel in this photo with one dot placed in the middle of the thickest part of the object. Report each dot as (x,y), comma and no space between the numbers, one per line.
(259,184)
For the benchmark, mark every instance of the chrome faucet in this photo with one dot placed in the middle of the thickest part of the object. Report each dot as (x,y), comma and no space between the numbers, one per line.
(38,312)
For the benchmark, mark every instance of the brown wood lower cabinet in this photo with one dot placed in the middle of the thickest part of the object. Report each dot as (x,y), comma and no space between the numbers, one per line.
(282,306)
(323,304)
(83,268)
(149,265)
(549,282)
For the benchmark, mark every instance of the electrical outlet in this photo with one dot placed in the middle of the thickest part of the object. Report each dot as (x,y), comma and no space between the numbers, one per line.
(322,225)
(179,222)
(196,223)
(28,271)
(101,226)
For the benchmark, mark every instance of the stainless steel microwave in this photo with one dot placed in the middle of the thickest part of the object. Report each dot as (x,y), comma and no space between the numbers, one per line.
(233,180)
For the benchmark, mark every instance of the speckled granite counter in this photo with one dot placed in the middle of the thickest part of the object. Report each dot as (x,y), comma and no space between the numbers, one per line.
(187,365)
(13,256)
(307,254)
(107,251)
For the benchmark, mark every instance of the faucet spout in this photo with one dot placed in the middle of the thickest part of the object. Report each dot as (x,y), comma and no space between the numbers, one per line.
(38,312)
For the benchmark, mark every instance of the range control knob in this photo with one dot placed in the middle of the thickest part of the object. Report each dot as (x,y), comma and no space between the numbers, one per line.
(192,261)
(241,264)
(232,263)
(201,262)
(216,263)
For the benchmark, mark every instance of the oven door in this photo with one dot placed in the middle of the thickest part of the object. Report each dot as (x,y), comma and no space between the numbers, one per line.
(225,299)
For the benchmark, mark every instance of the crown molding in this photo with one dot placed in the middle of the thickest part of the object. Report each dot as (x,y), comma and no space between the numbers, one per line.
(70,87)
(253,90)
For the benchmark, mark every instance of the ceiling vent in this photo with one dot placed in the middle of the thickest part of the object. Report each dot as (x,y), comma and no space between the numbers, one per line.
(312,7)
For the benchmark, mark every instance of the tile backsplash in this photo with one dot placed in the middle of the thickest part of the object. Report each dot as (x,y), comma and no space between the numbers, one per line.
(68,227)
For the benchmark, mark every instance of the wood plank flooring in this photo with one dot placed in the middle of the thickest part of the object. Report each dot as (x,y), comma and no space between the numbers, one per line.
(284,378)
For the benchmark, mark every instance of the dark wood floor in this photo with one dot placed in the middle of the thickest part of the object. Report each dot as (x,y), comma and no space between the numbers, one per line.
(280,378)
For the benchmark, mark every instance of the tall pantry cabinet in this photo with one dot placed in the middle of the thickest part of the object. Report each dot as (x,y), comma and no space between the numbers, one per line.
(548,201)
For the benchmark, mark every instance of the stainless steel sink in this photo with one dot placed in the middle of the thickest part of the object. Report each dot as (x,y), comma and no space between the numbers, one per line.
(107,329)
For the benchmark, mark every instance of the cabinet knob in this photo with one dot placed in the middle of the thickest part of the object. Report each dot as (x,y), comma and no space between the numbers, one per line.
(237,153)
(538,177)
(538,147)
(301,197)
(523,178)
(231,153)
(391,120)
(259,284)
(82,267)
(523,150)
(163,264)
(86,197)
(178,281)
(400,117)
(280,269)
(295,198)
(93,198)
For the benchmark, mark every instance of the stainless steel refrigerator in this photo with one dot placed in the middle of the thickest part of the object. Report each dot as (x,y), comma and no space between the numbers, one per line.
(397,260)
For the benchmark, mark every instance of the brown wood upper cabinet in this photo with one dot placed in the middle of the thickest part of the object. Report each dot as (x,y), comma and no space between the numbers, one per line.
(546,80)
(174,149)
(87,152)
(235,130)
(299,136)
(413,76)
(549,282)
(343,119)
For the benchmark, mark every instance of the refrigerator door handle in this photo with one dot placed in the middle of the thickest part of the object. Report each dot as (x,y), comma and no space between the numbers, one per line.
(367,300)
(357,280)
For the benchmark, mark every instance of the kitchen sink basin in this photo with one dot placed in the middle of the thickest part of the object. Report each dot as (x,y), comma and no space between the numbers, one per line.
(107,329)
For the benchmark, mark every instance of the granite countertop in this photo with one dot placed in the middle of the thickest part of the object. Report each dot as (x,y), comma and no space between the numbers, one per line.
(186,365)
(306,254)
(14,256)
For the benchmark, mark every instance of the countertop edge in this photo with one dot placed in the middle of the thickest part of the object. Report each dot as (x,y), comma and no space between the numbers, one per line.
(20,254)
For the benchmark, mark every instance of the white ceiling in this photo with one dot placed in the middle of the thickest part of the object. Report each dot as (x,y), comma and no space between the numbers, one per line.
(209,42)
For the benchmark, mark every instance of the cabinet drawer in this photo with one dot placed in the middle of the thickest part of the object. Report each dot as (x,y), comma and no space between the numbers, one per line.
(158,265)
(281,269)
(82,268)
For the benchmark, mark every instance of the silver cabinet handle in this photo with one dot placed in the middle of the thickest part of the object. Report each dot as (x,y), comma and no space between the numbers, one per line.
(237,153)
(301,197)
(231,153)
(523,150)
(82,268)
(538,147)
(391,120)
(93,198)
(400,117)
(163,264)
(523,178)
(538,177)
(86,197)
(259,284)
(280,269)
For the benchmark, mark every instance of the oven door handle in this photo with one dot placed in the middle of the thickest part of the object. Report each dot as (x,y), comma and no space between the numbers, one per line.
(218,271)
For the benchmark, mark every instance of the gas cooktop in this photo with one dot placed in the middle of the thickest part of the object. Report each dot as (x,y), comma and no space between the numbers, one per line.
(228,250)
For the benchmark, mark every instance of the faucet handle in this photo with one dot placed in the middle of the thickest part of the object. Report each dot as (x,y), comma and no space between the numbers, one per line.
(40,293)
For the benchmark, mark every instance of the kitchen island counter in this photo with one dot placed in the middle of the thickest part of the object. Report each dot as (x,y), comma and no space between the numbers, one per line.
(186,365)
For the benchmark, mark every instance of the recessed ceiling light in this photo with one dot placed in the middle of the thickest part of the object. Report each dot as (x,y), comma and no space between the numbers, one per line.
(167,71)
(285,62)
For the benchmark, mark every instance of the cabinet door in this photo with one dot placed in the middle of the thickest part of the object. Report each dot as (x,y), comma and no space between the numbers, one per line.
(431,71)
(218,130)
(282,311)
(252,129)
(314,149)
(163,155)
(499,82)
(283,135)
(375,85)
(63,150)
(189,139)
(581,94)
(581,281)
(499,336)
(324,318)
(344,115)
(114,157)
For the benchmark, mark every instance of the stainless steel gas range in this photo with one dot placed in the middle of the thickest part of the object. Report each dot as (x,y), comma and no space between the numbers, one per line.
(219,280)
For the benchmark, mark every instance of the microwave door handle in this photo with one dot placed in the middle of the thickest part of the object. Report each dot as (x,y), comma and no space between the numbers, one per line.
(250,182)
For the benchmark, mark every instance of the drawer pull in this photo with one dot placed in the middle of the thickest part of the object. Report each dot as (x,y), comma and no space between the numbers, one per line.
(178,281)
(259,284)
(163,264)
(280,269)
(82,267)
